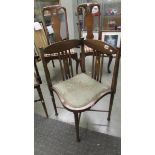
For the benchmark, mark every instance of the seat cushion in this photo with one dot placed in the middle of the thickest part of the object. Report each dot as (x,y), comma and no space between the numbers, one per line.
(79,91)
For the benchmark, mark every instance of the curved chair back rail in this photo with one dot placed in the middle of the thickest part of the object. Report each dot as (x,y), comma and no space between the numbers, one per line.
(62,46)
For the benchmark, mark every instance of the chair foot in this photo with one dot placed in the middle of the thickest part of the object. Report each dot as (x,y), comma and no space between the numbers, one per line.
(108,119)
(78,140)
(45,109)
(109,71)
(110,106)
(54,105)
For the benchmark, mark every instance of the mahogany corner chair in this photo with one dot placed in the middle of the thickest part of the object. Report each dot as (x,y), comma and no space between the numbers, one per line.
(81,92)
(85,10)
(51,17)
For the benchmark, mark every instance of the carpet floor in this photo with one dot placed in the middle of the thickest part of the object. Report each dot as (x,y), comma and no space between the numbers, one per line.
(52,137)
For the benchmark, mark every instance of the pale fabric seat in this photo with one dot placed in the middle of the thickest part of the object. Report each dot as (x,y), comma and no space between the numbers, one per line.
(79,91)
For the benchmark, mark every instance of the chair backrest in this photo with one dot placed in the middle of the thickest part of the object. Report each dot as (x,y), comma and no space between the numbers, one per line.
(63,50)
(100,50)
(86,11)
(53,12)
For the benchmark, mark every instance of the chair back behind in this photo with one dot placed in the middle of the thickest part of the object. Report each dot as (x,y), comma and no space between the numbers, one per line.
(53,13)
(85,10)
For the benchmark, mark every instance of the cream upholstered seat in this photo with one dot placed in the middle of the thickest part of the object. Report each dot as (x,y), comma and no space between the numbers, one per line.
(79,91)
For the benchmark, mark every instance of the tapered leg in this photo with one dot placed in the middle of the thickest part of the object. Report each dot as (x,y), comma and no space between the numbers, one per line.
(42,100)
(37,72)
(109,63)
(53,63)
(110,106)
(53,100)
(77,126)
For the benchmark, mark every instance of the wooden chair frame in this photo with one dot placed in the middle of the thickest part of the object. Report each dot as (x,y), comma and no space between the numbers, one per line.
(53,11)
(37,83)
(100,49)
(88,23)
(36,57)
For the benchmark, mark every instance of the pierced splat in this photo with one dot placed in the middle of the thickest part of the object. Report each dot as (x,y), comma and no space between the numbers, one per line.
(54,12)
(97,65)
(56,25)
(88,19)
(86,10)
(100,50)
(65,62)
(66,65)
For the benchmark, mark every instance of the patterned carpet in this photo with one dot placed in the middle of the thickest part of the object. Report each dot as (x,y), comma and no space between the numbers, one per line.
(52,137)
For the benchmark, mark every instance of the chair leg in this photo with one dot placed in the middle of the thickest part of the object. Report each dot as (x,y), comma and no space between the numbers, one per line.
(53,100)
(110,106)
(77,66)
(109,63)
(37,72)
(53,63)
(77,126)
(42,100)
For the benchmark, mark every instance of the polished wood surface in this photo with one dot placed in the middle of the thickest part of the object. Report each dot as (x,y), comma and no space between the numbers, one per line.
(89,25)
(55,22)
